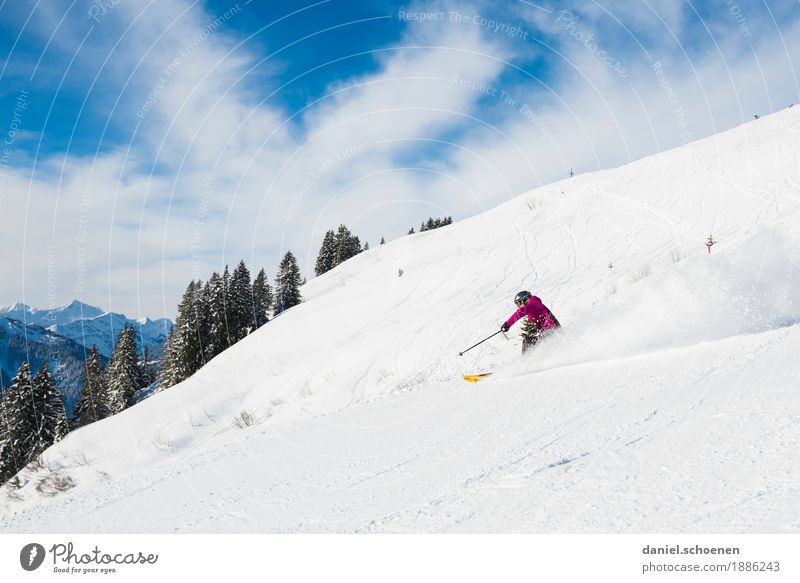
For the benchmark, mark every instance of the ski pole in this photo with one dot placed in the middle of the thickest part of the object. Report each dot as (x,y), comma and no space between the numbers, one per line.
(481,342)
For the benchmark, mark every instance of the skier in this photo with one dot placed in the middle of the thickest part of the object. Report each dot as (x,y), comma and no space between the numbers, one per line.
(538,314)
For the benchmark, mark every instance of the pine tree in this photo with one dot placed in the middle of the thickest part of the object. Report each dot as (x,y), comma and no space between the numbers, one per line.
(123,371)
(92,404)
(218,329)
(354,247)
(411,231)
(34,419)
(52,417)
(6,456)
(241,309)
(172,371)
(342,246)
(326,254)
(383,241)
(366,246)
(203,309)
(287,284)
(262,299)
(19,427)
(189,345)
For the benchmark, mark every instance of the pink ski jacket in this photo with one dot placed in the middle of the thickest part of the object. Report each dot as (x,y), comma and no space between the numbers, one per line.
(536,311)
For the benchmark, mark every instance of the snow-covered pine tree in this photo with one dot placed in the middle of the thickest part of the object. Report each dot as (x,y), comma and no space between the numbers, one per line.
(218,333)
(241,294)
(354,247)
(52,416)
(383,241)
(172,371)
(6,457)
(326,254)
(92,404)
(262,298)
(20,423)
(342,245)
(287,284)
(34,419)
(193,328)
(366,246)
(186,330)
(203,309)
(123,371)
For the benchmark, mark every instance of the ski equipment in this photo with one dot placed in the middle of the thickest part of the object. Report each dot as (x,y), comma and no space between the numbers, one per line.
(481,342)
(475,378)
(522,297)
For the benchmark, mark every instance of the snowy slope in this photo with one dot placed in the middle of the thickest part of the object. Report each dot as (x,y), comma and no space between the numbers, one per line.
(669,403)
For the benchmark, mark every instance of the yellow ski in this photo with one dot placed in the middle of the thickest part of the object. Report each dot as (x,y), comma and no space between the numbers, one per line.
(474,378)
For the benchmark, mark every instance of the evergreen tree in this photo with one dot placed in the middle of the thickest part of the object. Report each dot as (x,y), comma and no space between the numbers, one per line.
(123,371)
(241,309)
(6,457)
(218,329)
(34,419)
(92,404)
(366,246)
(342,245)
(383,241)
(287,284)
(354,247)
(411,231)
(19,428)
(326,254)
(189,346)
(203,308)
(52,417)
(172,371)
(262,299)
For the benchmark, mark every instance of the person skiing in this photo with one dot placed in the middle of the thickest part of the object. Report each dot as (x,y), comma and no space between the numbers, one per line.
(540,316)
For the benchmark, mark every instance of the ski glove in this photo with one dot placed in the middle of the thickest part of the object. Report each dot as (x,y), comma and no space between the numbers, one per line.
(504,327)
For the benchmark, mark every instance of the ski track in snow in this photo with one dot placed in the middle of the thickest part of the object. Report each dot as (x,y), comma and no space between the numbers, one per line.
(618,425)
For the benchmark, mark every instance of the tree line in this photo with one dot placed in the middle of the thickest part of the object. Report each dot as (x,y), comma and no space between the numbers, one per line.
(337,247)
(212,316)
(431,224)
(215,315)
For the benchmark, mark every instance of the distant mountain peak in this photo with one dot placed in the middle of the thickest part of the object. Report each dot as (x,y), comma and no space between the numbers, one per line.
(15,307)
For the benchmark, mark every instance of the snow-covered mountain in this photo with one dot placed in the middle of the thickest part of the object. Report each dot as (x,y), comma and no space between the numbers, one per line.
(47,317)
(36,344)
(102,331)
(89,325)
(668,403)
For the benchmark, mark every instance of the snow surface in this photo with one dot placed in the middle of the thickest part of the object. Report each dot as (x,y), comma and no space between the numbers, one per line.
(669,402)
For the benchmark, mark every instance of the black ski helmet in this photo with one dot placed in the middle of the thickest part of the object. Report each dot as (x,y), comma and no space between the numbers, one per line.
(522,297)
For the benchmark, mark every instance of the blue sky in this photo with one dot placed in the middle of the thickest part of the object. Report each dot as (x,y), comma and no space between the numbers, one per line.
(153,142)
